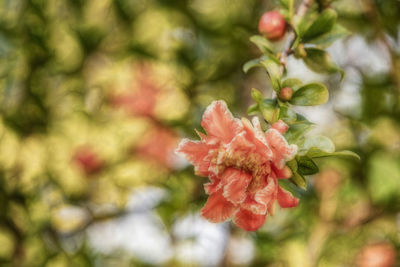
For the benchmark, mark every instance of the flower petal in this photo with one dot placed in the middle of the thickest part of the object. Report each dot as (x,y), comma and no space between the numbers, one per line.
(195,152)
(218,122)
(256,136)
(251,205)
(286,199)
(235,185)
(280,126)
(217,209)
(283,173)
(267,195)
(212,186)
(282,150)
(249,221)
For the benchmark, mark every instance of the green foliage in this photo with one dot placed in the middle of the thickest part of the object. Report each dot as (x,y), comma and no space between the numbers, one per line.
(320,61)
(310,95)
(323,24)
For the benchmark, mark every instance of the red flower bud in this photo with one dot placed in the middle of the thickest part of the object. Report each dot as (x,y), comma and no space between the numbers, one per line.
(286,93)
(272,25)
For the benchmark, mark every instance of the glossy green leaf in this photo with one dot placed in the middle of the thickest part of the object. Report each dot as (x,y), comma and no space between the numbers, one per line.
(299,180)
(296,132)
(292,83)
(252,64)
(328,38)
(320,61)
(270,110)
(287,114)
(317,153)
(306,166)
(262,43)
(273,69)
(317,142)
(256,95)
(310,95)
(323,24)
(292,164)
(253,109)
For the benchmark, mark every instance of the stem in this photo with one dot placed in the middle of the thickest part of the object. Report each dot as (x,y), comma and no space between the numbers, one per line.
(287,49)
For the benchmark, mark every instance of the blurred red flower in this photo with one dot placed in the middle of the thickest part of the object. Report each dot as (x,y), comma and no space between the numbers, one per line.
(243,164)
(377,255)
(159,146)
(142,101)
(88,160)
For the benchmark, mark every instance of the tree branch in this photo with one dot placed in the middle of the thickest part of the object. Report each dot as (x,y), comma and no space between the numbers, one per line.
(287,49)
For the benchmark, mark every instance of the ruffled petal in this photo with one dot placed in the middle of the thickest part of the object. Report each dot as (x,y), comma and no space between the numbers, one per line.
(281,149)
(218,122)
(217,209)
(195,152)
(253,206)
(286,199)
(280,126)
(267,195)
(256,136)
(213,186)
(283,173)
(235,185)
(249,221)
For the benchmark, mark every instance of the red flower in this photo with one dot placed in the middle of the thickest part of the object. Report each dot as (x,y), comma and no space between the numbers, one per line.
(143,101)
(243,164)
(87,160)
(159,146)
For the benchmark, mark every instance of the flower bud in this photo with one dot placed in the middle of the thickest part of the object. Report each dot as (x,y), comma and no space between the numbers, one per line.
(286,93)
(272,25)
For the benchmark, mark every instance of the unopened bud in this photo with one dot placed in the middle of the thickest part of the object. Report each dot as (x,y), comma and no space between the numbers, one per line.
(286,93)
(272,25)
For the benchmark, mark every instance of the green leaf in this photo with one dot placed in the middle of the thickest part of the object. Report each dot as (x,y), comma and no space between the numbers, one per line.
(292,83)
(256,95)
(287,115)
(263,44)
(273,69)
(292,165)
(316,153)
(317,142)
(296,132)
(299,180)
(310,95)
(328,38)
(253,109)
(323,24)
(270,110)
(252,64)
(306,166)
(320,61)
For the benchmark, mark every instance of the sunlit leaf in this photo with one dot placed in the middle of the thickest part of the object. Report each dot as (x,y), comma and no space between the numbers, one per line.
(328,38)
(323,24)
(273,69)
(262,43)
(320,61)
(253,109)
(256,95)
(270,110)
(310,95)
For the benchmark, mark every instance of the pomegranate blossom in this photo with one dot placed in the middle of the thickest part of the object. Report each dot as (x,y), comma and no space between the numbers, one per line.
(243,164)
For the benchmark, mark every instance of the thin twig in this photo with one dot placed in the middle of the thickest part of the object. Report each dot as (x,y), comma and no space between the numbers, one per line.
(287,49)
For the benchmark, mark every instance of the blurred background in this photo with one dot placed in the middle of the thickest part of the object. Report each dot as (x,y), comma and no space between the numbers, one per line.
(95,95)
